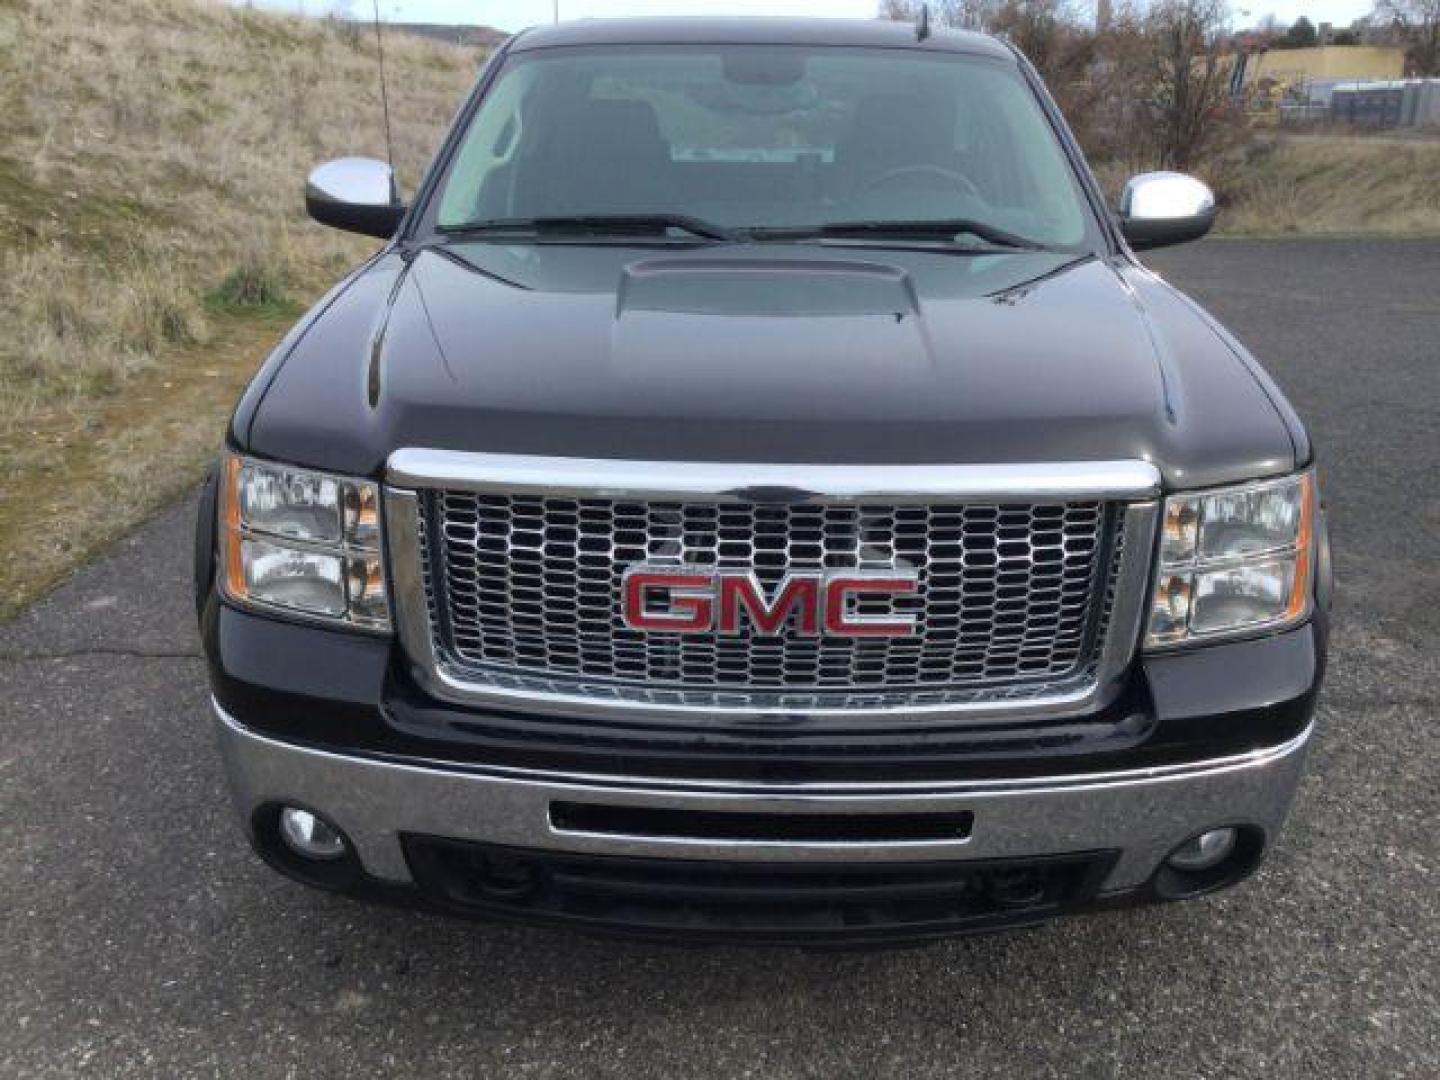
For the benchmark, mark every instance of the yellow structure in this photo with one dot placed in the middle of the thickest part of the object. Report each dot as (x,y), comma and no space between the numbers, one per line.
(1291,66)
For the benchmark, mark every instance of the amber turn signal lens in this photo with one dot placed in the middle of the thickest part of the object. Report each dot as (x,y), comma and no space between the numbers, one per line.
(1300,591)
(234,558)
(1233,560)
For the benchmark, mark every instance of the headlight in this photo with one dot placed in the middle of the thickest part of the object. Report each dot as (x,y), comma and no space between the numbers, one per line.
(304,542)
(1233,560)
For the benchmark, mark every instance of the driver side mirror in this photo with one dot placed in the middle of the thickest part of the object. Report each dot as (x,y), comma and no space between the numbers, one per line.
(355,194)
(1162,208)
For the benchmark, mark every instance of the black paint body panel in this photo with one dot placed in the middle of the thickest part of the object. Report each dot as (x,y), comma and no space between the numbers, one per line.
(753,352)
(919,357)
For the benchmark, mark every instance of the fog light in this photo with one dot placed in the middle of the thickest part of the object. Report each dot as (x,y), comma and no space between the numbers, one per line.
(310,835)
(1202,852)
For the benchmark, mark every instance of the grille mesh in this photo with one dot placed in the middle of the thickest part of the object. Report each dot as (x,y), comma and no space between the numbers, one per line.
(524,588)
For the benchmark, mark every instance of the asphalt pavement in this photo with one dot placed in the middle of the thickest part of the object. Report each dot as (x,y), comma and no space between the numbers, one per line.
(139,936)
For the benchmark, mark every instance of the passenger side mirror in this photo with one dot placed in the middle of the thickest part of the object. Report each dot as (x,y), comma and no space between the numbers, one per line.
(1162,208)
(355,194)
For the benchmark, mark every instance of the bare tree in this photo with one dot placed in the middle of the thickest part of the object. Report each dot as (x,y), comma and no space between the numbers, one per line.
(1148,88)
(1190,74)
(1417,25)
(1048,32)
(963,14)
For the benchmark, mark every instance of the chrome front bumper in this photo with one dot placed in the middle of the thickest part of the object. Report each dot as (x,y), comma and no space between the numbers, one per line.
(1143,814)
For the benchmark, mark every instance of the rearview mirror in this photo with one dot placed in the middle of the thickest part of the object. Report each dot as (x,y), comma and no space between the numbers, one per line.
(355,194)
(1162,208)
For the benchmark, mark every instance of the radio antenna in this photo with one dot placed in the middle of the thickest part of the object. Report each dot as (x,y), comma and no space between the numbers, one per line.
(384,90)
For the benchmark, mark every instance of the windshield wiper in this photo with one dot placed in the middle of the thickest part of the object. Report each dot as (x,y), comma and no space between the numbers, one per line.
(621,225)
(947,230)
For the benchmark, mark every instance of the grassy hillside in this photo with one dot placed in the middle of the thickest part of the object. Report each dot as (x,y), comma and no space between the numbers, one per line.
(1334,184)
(1326,183)
(152,237)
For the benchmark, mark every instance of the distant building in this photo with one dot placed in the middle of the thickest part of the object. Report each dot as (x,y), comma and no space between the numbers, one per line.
(1295,67)
(1403,103)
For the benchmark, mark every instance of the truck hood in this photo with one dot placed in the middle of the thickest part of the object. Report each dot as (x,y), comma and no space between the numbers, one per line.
(793,353)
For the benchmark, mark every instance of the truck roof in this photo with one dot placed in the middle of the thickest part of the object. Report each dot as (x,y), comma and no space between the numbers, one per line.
(672,30)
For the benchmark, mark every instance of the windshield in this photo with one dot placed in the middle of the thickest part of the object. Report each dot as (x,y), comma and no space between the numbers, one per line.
(739,138)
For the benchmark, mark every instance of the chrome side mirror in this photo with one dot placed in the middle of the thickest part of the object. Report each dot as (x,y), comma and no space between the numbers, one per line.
(1161,208)
(355,194)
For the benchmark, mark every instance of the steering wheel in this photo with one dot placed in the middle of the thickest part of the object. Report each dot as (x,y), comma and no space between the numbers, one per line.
(963,182)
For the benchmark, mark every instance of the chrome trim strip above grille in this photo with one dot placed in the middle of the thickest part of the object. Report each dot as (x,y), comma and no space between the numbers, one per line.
(658,481)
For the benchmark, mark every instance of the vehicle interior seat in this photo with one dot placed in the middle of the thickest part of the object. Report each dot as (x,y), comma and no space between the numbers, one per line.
(895,131)
(608,157)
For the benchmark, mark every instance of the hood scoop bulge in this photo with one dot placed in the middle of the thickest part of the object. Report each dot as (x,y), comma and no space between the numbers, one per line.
(770,338)
(768,288)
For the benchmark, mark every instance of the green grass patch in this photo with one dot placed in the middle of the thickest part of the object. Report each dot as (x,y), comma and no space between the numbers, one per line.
(252,287)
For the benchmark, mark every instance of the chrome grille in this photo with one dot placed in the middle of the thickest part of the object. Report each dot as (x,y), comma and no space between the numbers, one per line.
(524,591)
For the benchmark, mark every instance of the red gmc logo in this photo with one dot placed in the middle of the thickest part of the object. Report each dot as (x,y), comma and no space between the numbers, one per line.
(699,600)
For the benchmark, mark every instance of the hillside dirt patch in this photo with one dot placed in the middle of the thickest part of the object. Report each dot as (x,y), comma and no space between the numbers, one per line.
(74,479)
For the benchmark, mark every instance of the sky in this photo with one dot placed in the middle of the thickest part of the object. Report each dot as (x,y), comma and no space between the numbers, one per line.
(517,14)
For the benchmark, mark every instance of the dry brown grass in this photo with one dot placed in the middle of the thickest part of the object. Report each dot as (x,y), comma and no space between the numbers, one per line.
(70,489)
(150,150)
(1336,185)
(1324,184)
(151,147)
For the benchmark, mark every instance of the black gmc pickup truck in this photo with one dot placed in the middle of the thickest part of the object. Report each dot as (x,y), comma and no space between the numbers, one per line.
(757,493)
